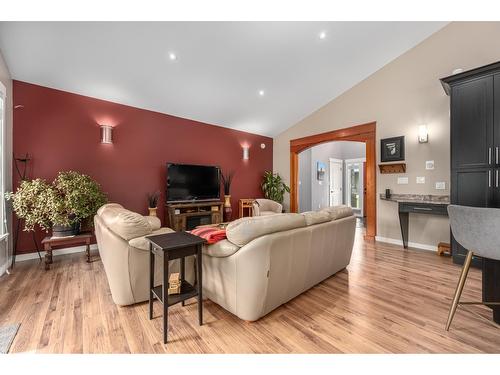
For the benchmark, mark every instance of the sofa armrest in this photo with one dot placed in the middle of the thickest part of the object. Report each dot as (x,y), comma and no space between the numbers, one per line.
(220,249)
(154,222)
(142,243)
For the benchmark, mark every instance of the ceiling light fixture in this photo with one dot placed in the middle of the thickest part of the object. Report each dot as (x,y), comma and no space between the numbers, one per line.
(172,56)
(261,92)
(322,35)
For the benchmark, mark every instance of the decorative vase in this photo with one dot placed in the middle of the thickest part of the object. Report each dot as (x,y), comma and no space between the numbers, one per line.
(66,230)
(228,211)
(152,211)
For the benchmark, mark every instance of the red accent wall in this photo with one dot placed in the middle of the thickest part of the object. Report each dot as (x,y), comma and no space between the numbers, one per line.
(61,132)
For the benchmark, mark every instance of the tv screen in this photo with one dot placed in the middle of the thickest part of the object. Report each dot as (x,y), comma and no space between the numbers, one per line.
(187,182)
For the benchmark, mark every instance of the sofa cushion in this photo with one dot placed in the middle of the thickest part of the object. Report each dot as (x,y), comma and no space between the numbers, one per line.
(108,206)
(220,249)
(242,231)
(125,223)
(338,212)
(267,213)
(316,217)
(143,243)
(154,222)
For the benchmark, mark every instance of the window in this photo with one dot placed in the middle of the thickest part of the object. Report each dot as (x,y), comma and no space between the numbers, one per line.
(3,230)
(4,256)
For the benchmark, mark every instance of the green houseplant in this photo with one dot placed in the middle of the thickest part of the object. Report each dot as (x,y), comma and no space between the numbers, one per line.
(69,201)
(274,187)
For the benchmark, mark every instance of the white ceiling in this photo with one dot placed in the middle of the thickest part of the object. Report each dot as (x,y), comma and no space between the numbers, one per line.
(220,66)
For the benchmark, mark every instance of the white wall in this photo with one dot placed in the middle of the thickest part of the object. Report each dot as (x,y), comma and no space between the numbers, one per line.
(7,82)
(314,194)
(399,97)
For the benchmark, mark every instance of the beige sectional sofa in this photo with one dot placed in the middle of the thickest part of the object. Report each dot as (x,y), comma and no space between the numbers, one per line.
(124,252)
(266,261)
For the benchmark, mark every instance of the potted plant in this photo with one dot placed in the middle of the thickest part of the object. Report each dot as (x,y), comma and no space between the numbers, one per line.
(71,200)
(274,187)
(227,179)
(153,203)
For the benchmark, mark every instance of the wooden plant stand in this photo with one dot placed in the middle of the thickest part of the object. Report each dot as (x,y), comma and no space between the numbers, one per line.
(80,239)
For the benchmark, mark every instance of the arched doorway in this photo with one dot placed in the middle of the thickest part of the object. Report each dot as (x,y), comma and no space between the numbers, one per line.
(361,133)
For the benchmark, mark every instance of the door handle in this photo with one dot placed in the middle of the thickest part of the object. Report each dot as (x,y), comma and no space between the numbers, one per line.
(422,208)
(496,177)
(489,178)
(496,155)
(489,155)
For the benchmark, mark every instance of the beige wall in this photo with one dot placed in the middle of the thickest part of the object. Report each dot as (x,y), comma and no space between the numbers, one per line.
(399,97)
(7,82)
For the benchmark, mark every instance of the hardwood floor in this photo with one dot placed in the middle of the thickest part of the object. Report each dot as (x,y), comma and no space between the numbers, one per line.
(387,301)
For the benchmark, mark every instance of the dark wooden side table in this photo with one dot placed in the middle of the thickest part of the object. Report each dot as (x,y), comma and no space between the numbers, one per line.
(170,246)
(80,239)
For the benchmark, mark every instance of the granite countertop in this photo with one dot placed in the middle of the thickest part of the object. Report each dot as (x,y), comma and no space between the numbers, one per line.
(417,198)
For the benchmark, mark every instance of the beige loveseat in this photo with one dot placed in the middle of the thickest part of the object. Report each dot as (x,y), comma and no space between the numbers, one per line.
(268,260)
(124,252)
(264,207)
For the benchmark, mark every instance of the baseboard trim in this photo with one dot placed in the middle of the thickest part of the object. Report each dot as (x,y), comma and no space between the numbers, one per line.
(415,245)
(57,252)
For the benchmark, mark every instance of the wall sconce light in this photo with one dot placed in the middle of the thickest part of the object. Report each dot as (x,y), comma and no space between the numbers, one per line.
(246,155)
(423,136)
(106,134)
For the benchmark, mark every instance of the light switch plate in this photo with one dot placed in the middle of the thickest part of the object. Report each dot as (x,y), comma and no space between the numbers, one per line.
(440,185)
(402,180)
(420,180)
(429,164)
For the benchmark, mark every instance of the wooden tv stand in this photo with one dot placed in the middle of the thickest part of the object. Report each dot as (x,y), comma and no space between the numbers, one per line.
(187,216)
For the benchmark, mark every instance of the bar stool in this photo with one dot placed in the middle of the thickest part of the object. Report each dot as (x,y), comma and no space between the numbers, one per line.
(478,229)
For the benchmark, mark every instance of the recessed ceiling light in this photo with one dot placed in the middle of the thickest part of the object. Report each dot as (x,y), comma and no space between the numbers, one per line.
(261,92)
(172,56)
(322,35)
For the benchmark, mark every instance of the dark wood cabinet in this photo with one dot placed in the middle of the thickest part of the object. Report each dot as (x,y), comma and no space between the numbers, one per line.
(472,123)
(475,159)
(475,140)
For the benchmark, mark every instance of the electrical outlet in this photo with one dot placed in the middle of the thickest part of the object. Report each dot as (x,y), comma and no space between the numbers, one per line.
(402,180)
(420,180)
(429,164)
(440,185)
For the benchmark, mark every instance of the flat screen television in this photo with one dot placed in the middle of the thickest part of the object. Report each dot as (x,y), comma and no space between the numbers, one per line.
(188,183)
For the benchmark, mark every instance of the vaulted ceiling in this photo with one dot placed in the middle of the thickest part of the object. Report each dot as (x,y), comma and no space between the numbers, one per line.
(261,77)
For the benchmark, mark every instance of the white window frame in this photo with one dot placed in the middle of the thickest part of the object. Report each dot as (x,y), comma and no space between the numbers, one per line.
(4,246)
(3,218)
(348,182)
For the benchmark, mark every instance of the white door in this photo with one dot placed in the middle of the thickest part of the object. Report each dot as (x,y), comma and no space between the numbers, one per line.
(336,177)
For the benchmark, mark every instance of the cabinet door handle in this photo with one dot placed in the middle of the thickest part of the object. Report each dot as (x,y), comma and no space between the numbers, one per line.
(489,155)
(422,208)
(496,177)
(496,154)
(489,178)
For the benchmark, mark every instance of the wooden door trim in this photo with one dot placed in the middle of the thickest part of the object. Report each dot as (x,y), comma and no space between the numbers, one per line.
(360,133)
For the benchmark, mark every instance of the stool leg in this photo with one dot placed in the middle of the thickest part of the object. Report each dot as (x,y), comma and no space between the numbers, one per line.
(460,287)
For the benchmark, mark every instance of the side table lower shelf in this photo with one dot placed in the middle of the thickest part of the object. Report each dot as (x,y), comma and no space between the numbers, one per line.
(187,291)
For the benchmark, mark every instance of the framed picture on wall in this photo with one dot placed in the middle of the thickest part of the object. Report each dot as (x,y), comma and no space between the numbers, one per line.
(320,168)
(392,149)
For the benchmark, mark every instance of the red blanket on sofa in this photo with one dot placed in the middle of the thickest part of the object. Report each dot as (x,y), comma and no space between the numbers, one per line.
(211,234)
